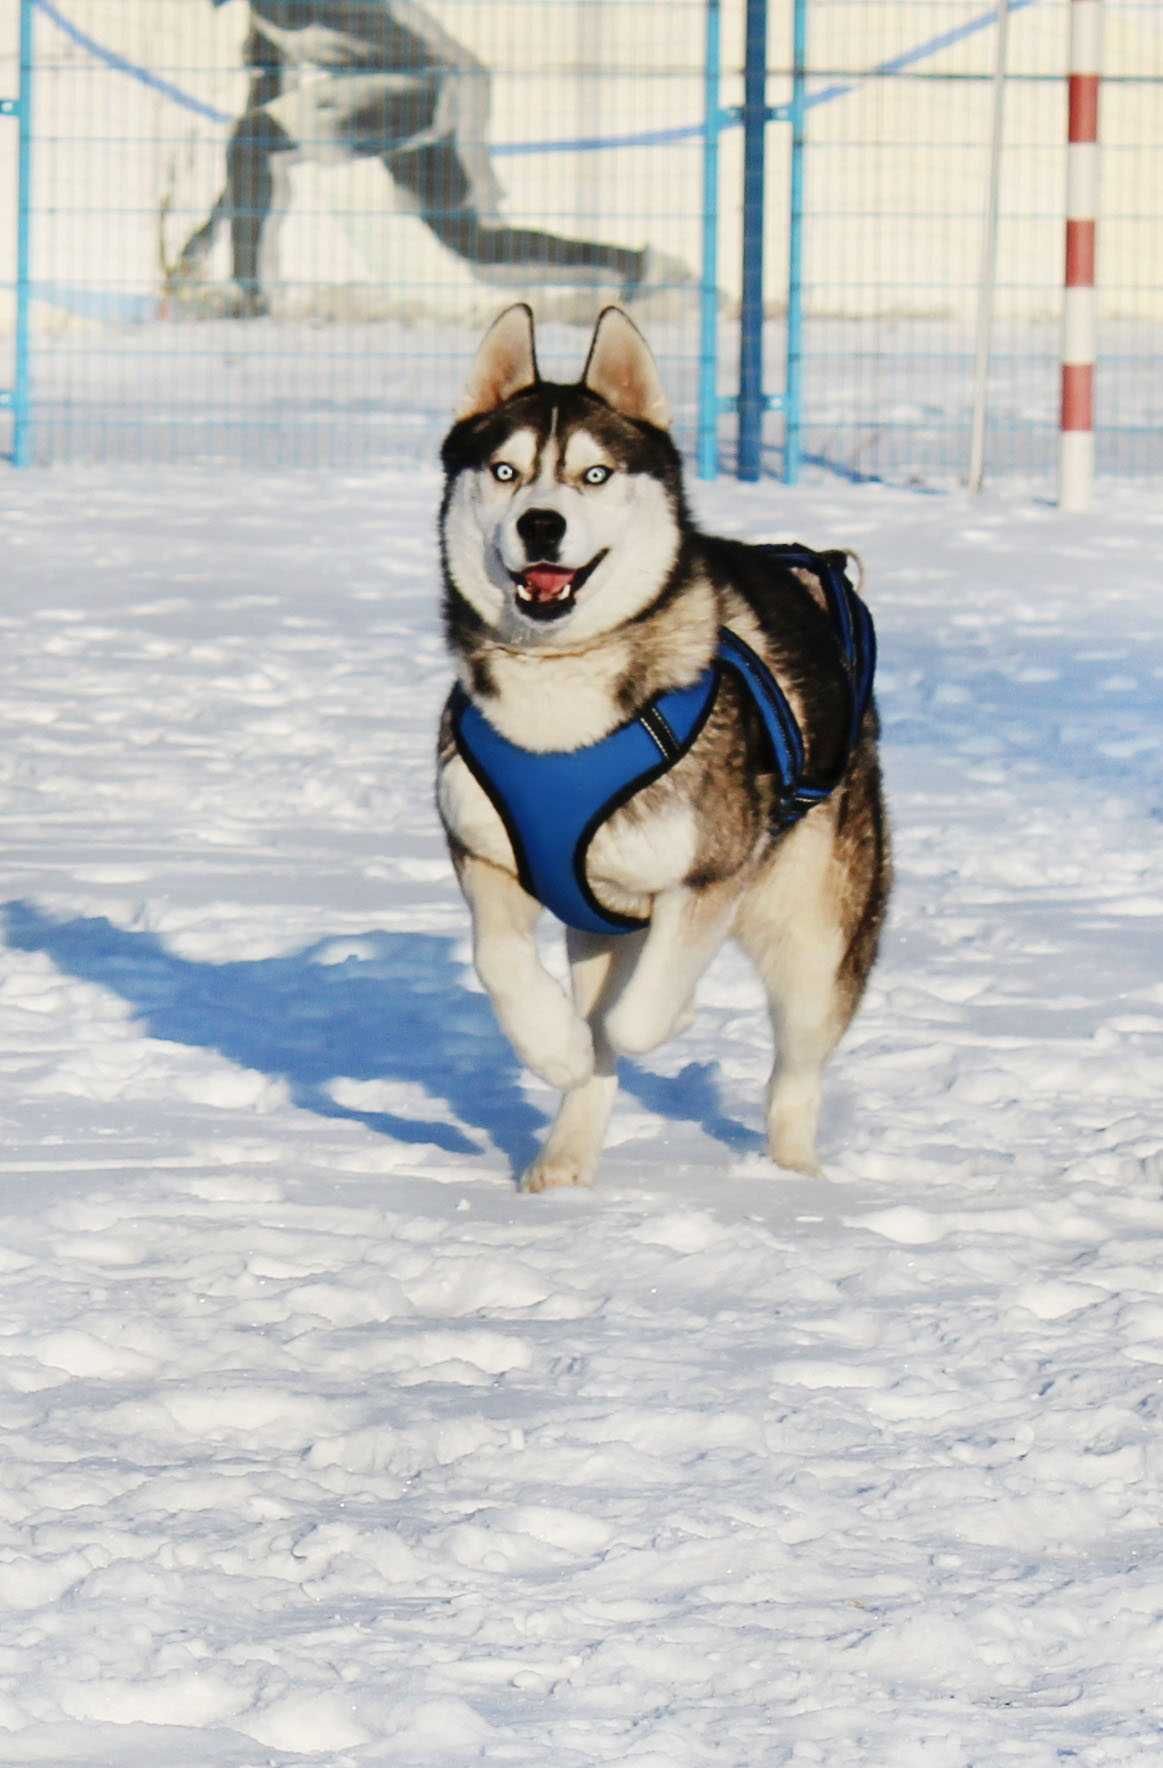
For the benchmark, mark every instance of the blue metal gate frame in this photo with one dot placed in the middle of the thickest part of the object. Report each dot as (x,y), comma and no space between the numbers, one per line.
(752,402)
(18,397)
(714,119)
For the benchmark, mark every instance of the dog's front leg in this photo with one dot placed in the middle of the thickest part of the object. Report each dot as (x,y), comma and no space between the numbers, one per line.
(687,927)
(535,1014)
(571,1151)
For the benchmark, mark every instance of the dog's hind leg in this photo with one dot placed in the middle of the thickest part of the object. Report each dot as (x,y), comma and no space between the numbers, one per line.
(574,1144)
(790,926)
(687,927)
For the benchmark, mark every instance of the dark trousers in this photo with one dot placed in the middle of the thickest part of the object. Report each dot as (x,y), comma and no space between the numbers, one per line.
(433,175)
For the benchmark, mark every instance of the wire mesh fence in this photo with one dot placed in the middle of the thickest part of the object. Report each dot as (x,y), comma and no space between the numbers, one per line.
(899,109)
(272,232)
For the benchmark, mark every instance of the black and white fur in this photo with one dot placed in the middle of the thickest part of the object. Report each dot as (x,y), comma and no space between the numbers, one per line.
(576,588)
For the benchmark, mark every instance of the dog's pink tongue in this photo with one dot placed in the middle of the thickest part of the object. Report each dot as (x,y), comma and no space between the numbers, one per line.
(547,581)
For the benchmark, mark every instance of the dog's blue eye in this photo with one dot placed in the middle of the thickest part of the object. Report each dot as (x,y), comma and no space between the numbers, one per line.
(502,472)
(597,475)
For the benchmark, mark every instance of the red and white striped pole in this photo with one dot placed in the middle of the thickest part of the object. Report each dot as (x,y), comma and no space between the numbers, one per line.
(1080,313)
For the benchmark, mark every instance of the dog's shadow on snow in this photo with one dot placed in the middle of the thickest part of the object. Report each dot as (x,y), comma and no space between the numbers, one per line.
(391,1008)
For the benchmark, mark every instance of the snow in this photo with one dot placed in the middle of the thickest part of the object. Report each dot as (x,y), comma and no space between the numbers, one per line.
(320,1442)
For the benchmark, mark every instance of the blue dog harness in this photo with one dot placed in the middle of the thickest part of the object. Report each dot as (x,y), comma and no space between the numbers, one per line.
(553,803)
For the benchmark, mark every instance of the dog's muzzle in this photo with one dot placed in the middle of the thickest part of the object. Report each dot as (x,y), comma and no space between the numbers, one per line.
(547,591)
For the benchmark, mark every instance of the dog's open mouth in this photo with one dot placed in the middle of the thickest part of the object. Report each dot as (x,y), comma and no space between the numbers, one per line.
(546,592)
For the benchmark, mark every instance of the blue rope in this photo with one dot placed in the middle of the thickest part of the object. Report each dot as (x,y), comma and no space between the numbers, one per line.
(592,143)
(123,65)
(896,64)
(584,143)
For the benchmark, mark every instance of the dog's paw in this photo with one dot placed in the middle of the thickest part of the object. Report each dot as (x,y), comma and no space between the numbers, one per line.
(794,1155)
(792,1114)
(555,1173)
(791,1142)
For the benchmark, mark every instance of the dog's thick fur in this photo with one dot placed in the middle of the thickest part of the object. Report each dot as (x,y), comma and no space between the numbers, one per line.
(699,853)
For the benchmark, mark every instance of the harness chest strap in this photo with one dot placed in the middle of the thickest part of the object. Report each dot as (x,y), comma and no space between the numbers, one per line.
(553,803)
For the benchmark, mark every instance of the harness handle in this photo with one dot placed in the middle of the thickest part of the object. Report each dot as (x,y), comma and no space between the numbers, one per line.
(852,623)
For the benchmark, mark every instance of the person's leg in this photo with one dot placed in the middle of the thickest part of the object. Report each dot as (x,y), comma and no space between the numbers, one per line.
(201,241)
(250,185)
(265,86)
(434,176)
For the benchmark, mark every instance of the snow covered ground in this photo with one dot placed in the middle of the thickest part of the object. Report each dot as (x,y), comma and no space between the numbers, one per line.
(321,1443)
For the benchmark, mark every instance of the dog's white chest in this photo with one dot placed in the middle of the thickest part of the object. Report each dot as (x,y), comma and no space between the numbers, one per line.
(470,815)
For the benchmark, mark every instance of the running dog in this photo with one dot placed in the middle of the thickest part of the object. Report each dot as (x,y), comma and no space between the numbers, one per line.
(665,737)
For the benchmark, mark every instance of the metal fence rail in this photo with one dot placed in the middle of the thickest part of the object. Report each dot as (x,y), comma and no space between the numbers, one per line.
(271,232)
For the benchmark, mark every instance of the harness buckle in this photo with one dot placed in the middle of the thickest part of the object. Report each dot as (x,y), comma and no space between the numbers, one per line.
(794,806)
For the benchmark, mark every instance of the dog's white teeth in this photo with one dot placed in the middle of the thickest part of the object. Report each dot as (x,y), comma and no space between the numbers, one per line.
(523,594)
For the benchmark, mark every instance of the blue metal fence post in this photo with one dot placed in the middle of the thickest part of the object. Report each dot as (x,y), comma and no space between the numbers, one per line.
(793,373)
(751,398)
(22,376)
(707,451)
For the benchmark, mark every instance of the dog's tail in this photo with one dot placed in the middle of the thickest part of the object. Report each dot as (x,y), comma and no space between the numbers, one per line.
(854,569)
(842,558)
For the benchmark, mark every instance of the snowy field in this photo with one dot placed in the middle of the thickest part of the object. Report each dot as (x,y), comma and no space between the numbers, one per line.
(321,1443)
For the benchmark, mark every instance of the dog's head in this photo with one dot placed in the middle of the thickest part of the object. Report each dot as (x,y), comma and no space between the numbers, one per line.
(563,508)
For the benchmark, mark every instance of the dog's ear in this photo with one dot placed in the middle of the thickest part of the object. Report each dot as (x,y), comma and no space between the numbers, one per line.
(506,363)
(621,370)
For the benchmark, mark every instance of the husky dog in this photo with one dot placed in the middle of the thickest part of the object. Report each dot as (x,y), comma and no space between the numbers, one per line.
(587,614)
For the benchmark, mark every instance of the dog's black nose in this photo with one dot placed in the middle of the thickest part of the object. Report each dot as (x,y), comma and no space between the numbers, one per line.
(542,531)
